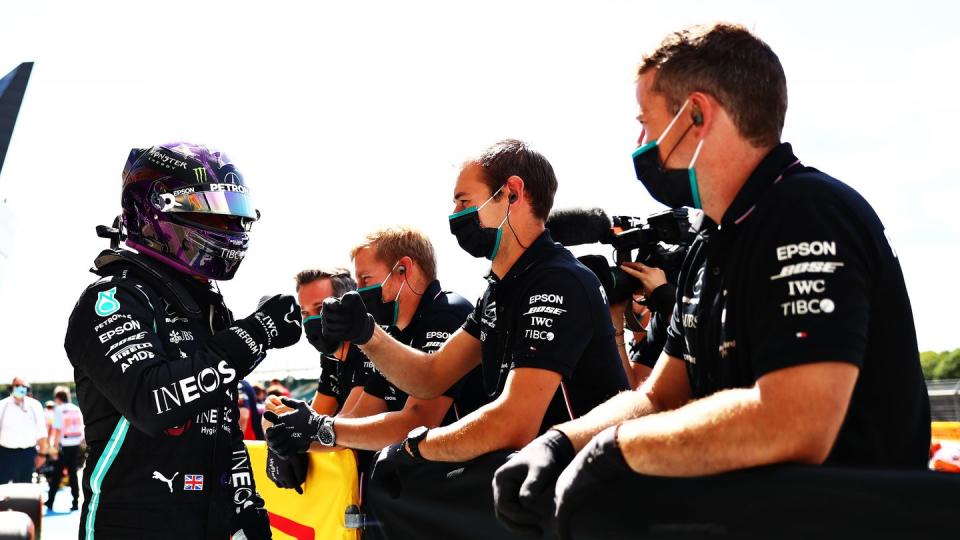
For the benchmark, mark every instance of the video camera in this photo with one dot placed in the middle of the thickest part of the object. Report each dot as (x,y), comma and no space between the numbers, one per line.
(660,240)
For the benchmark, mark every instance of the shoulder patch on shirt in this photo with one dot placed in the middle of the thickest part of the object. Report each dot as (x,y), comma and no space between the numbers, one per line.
(106,303)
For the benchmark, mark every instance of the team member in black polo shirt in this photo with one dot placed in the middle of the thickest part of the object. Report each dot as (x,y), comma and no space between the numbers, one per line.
(541,331)
(344,370)
(792,340)
(396,263)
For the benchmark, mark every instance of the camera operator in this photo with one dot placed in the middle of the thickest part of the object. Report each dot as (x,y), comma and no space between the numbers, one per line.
(541,332)
(655,306)
(792,340)
(397,264)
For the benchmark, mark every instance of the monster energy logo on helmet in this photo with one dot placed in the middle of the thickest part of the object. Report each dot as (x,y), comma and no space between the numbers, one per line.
(201,174)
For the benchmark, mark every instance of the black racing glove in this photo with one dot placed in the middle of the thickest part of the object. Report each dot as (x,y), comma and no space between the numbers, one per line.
(523,486)
(253,523)
(599,462)
(346,319)
(276,322)
(293,431)
(289,473)
(313,329)
(390,467)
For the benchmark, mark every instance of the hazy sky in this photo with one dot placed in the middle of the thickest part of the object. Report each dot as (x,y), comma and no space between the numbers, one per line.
(348,116)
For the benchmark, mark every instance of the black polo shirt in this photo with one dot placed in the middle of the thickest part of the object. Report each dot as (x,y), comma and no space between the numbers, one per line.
(799,271)
(439,314)
(549,312)
(338,378)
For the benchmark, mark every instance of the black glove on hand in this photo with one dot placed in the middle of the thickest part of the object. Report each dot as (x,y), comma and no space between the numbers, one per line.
(289,473)
(346,319)
(523,487)
(389,466)
(600,461)
(292,432)
(276,320)
(253,523)
(313,329)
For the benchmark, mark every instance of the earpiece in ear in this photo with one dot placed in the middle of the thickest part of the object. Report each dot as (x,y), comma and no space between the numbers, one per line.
(401,269)
(512,198)
(697,117)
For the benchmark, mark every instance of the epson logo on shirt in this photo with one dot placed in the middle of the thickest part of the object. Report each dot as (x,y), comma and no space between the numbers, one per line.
(804,249)
(548,298)
(438,335)
(119,331)
(191,388)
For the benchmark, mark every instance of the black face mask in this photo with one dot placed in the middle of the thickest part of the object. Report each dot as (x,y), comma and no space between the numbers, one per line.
(672,187)
(384,313)
(313,329)
(473,237)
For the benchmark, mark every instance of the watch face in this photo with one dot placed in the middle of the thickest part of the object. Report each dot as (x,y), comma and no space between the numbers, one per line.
(326,435)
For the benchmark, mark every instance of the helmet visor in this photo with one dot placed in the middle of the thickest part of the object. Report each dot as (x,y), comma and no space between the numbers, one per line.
(229,203)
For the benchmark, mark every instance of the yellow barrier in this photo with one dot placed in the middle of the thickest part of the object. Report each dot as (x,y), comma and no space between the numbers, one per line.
(331,486)
(945,431)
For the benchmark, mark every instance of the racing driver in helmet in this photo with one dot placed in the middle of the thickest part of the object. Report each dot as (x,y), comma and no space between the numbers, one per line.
(157,355)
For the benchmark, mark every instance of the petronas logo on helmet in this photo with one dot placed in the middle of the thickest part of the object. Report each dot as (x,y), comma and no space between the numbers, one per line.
(200,173)
(106,303)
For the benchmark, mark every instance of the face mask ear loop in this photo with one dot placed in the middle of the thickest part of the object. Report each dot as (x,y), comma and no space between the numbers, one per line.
(674,121)
(490,199)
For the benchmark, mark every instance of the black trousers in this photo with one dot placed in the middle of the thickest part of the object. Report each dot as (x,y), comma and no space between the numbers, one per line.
(452,501)
(67,459)
(17,464)
(790,501)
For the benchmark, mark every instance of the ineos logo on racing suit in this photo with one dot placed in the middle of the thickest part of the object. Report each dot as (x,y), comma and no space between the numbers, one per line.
(190,388)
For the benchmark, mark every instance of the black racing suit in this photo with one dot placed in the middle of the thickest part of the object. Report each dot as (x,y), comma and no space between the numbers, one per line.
(156,359)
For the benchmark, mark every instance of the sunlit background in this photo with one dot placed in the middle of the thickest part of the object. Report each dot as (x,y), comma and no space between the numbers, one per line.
(348,116)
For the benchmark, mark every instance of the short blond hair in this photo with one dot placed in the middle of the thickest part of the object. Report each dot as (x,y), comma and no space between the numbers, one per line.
(392,243)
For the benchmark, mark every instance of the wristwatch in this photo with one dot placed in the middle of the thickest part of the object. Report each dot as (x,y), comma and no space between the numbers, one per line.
(414,438)
(326,434)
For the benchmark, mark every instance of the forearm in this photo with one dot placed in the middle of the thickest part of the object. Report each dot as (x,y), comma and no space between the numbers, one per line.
(411,370)
(725,431)
(374,432)
(488,429)
(616,410)
(42,443)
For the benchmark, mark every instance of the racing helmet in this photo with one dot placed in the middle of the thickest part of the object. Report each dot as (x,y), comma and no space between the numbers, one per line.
(188,206)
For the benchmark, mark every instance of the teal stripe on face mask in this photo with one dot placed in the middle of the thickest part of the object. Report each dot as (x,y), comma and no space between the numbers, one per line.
(694,190)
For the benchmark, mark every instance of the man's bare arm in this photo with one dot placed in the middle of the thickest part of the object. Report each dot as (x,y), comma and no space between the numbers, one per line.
(420,374)
(509,422)
(380,430)
(789,415)
(667,388)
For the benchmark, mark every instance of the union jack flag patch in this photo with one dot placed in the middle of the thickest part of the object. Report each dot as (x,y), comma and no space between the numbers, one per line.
(193,482)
